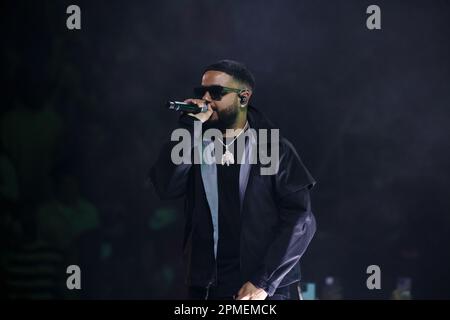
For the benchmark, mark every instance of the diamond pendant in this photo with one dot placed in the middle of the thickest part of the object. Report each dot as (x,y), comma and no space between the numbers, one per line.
(227,158)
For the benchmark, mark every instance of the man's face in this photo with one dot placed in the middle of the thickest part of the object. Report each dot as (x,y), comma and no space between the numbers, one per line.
(226,109)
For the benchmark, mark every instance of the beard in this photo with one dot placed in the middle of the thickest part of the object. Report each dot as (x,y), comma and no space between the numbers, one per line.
(225,118)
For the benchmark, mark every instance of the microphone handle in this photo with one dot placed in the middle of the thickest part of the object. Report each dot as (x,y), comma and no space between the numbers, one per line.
(186,107)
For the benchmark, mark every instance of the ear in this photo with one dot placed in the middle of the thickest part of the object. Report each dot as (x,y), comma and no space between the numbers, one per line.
(244,97)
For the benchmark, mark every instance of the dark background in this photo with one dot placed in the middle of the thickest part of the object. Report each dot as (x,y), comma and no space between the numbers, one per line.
(82,120)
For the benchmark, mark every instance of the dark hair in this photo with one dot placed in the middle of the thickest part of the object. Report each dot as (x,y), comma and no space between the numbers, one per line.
(235,69)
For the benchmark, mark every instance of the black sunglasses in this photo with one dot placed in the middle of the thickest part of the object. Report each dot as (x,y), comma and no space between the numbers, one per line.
(216,92)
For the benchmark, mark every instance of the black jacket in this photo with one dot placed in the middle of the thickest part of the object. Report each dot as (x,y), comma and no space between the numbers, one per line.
(277,222)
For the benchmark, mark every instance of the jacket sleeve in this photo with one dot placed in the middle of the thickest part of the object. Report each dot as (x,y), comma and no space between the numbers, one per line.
(296,225)
(169,179)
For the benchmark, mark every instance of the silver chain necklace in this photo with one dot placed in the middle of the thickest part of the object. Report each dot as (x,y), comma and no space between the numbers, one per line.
(227,157)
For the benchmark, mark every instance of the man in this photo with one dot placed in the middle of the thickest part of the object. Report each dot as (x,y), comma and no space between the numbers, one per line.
(245,230)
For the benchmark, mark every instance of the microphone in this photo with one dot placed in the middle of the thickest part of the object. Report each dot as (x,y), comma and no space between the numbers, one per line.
(186,107)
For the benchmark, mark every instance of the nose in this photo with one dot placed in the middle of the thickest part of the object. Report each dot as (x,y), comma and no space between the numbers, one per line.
(207,97)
